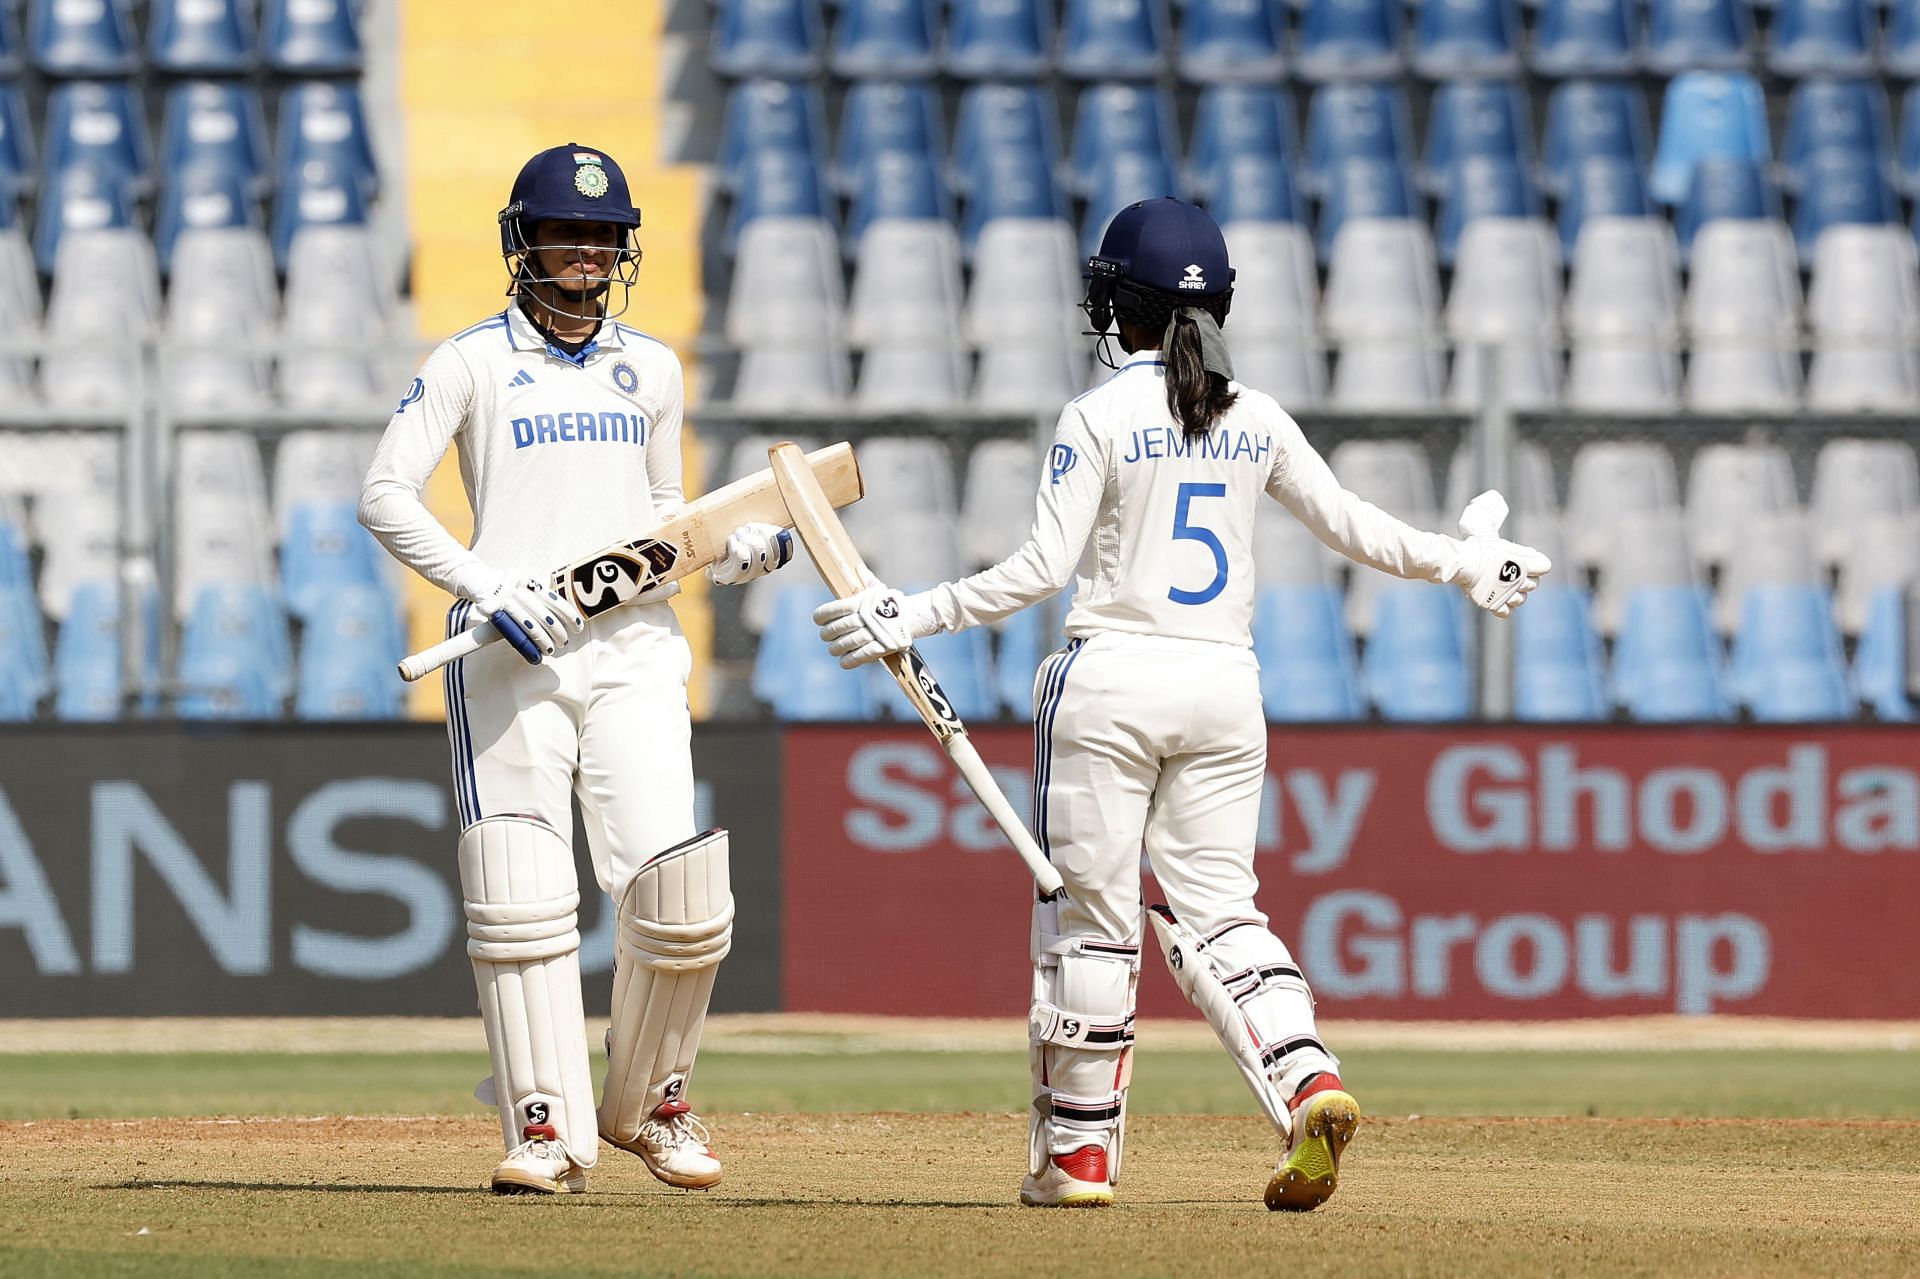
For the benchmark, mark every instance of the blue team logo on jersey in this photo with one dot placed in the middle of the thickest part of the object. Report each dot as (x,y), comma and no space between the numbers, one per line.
(415,393)
(1060,462)
(625,378)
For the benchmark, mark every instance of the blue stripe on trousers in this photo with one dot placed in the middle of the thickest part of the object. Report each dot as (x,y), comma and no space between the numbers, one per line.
(1043,721)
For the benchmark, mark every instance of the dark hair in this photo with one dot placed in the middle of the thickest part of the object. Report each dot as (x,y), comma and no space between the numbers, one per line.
(1195,397)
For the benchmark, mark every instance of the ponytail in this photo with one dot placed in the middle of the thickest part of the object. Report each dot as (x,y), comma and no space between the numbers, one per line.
(1195,397)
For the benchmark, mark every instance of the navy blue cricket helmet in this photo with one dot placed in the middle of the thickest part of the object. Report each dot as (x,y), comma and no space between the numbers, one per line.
(571,183)
(1157,256)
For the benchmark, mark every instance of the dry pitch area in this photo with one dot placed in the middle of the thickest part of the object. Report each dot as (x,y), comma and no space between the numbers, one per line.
(1462,1189)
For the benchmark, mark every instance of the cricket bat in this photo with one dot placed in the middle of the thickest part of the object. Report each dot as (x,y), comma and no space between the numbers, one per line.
(687,542)
(811,509)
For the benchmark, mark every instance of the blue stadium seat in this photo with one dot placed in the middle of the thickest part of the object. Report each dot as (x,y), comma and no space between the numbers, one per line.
(201,37)
(1588,118)
(1879,664)
(1256,188)
(1364,188)
(887,115)
(12,50)
(1707,114)
(16,140)
(234,662)
(1822,37)
(199,197)
(1901,57)
(311,37)
(1666,661)
(998,38)
(769,115)
(897,184)
(323,123)
(216,124)
(1355,122)
(87,659)
(1011,182)
(1587,37)
(1349,40)
(778,184)
(1786,663)
(1841,188)
(884,38)
(1835,115)
(1238,120)
(1482,186)
(325,551)
(16,568)
(1113,39)
(1475,118)
(1557,659)
(793,672)
(1907,163)
(778,38)
(1123,179)
(99,124)
(1115,119)
(87,39)
(320,196)
(1231,41)
(1002,116)
(1415,665)
(1307,668)
(1685,35)
(347,657)
(1603,186)
(1725,189)
(84,198)
(23,647)
(963,663)
(1457,38)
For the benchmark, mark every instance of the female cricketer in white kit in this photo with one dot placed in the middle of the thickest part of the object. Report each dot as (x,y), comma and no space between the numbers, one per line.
(1148,725)
(568,429)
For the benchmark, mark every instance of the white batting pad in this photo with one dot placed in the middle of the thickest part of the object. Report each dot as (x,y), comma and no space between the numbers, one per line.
(523,936)
(676,925)
(1080,1042)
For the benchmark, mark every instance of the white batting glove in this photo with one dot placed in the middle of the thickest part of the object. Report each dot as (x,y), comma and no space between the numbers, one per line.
(1498,574)
(533,618)
(752,550)
(879,620)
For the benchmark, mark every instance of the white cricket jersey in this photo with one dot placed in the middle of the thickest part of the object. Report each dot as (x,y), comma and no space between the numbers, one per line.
(1161,528)
(562,455)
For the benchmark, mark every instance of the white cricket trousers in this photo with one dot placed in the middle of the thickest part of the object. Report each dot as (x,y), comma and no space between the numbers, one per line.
(606,722)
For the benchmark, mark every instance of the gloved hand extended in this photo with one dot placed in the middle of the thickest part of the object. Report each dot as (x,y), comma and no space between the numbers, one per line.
(532,617)
(1498,574)
(752,550)
(879,620)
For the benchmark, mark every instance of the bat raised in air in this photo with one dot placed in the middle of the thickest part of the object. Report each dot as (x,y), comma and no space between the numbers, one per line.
(689,540)
(810,507)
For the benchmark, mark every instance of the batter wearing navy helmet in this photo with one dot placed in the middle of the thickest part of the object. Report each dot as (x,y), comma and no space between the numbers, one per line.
(567,424)
(1147,726)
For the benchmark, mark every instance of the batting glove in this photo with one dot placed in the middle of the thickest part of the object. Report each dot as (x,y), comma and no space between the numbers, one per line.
(533,618)
(1497,574)
(879,620)
(752,550)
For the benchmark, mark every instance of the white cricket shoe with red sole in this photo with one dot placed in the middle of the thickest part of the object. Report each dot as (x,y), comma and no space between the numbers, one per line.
(673,1145)
(540,1165)
(1077,1180)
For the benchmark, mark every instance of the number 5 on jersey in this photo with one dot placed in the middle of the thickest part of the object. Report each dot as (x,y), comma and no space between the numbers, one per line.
(1185,530)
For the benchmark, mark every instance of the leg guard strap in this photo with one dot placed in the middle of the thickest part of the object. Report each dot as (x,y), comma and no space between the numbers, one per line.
(1080,1042)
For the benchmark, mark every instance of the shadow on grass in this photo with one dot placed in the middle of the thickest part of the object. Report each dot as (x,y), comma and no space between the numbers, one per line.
(316,1187)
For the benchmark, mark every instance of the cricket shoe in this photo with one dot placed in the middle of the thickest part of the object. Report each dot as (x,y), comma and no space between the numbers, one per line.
(1325,1118)
(1078,1180)
(540,1165)
(673,1145)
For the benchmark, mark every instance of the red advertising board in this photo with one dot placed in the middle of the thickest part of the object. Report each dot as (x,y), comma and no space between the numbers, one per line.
(1416,872)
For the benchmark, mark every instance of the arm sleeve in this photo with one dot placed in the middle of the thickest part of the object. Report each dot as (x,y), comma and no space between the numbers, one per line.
(663,445)
(1304,483)
(432,412)
(1069,501)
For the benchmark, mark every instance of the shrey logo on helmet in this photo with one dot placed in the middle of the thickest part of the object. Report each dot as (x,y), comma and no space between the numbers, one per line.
(1195,279)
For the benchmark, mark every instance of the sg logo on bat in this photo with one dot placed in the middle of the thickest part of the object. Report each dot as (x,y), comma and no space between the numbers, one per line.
(936,696)
(615,578)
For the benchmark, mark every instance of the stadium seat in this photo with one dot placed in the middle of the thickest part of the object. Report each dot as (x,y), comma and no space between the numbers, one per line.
(83,38)
(779,38)
(1666,661)
(1854,481)
(1365,190)
(1529,488)
(1307,667)
(886,115)
(12,48)
(914,473)
(896,186)
(101,126)
(1745,283)
(325,551)
(995,118)
(884,38)
(1457,38)
(316,467)
(17,164)
(770,115)
(1382,281)
(1823,37)
(347,657)
(1727,484)
(1880,662)
(1866,283)
(202,198)
(1482,187)
(1286,553)
(1557,663)
(1392,474)
(1688,35)
(1256,189)
(1594,118)
(88,662)
(1774,549)
(993,39)
(1233,121)
(1122,179)
(1842,188)
(1707,115)
(1582,38)
(997,507)
(216,125)
(1786,664)
(1113,39)
(777,184)
(906,283)
(77,517)
(1626,280)
(1349,40)
(1292,367)
(1355,122)
(1011,183)
(94,363)
(1024,642)
(1119,119)
(1415,664)
(1835,115)
(227,286)
(320,196)
(911,376)
(323,126)
(1851,373)
(793,672)
(335,276)
(1726,190)
(1232,41)
(223,531)
(1601,186)
(311,37)
(1471,118)
(777,378)
(1609,481)
(786,280)
(1506,291)
(1026,285)
(20,310)
(24,671)
(1276,283)
(234,662)
(200,37)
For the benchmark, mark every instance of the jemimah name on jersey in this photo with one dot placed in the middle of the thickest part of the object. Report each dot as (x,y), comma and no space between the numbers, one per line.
(1154,442)
(584,427)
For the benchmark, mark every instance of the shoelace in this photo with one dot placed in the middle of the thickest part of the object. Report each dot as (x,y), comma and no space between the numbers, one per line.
(538,1148)
(678,1131)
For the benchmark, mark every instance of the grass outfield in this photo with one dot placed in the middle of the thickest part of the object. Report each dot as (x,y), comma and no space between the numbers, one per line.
(899,1163)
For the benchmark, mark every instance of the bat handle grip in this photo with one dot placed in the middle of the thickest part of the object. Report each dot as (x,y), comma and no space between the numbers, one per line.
(465,644)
